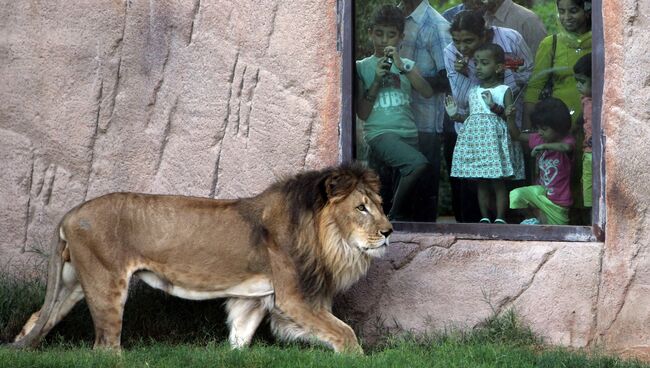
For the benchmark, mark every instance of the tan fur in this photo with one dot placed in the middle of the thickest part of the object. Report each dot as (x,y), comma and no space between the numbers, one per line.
(285,252)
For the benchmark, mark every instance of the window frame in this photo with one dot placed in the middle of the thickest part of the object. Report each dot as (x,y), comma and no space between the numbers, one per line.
(595,232)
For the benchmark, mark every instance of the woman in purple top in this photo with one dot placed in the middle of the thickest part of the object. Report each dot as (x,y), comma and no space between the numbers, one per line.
(468,32)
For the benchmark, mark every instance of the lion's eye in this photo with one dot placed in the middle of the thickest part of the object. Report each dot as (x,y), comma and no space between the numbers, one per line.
(362,208)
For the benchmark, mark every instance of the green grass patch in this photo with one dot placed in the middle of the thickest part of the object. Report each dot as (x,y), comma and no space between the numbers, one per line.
(20,296)
(445,353)
(163,331)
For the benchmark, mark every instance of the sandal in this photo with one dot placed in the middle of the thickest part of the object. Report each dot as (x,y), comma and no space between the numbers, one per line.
(500,221)
(485,220)
(531,221)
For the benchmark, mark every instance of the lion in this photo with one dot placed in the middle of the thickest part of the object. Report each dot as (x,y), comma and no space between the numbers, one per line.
(284,253)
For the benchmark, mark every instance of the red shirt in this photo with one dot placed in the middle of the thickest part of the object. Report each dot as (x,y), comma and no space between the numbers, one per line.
(554,170)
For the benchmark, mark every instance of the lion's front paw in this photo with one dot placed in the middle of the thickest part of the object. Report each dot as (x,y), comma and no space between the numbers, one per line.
(348,343)
(355,349)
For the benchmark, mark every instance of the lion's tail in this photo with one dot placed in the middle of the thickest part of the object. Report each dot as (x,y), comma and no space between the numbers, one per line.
(33,331)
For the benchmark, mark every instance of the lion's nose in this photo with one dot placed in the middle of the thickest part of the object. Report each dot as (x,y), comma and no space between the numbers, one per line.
(386,232)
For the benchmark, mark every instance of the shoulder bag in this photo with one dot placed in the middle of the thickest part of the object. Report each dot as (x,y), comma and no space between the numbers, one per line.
(547,90)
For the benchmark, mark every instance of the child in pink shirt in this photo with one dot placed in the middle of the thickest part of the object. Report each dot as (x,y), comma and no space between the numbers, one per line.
(547,202)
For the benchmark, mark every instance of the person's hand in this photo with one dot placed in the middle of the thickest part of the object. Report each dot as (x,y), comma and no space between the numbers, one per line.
(460,65)
(487,98)
(381,70)
(510,110)
(392,52)
(537,150)
(450,106)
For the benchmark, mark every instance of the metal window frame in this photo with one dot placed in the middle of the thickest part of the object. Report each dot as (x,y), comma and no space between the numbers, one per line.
(345,45)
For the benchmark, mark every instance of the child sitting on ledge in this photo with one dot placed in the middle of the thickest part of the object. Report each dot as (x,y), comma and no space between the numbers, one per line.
(552,145)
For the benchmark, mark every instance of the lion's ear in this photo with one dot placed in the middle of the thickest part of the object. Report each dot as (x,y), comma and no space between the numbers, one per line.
(339,185)
(371,179)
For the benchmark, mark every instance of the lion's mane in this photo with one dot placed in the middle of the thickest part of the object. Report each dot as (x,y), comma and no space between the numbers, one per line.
(327,264)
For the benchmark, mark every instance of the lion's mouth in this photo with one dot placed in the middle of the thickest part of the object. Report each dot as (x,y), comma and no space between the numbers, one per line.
(382,242)
(375,248)
(372,246)
(377,251)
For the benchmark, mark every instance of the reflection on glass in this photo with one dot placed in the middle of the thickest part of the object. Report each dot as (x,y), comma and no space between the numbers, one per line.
(497,151)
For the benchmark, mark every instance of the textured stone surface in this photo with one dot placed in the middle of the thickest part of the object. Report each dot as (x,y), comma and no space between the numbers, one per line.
(208,98)
(560,299)
(428,284)
(16,155)
(623,319)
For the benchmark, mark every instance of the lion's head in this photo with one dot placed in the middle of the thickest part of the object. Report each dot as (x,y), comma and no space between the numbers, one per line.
(354,209)
(341,225)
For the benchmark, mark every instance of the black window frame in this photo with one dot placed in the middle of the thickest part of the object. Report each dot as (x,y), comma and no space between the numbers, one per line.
(595,232)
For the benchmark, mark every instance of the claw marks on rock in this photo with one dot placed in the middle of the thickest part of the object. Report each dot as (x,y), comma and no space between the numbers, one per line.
(51,189)
(243,83)
(195,21)
(41,183)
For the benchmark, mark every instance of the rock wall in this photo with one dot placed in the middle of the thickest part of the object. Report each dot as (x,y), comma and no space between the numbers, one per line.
(432,282)
(207,98)
(219,98)
(623,321)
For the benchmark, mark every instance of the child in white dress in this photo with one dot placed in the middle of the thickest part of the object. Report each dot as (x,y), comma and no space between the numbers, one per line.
(484,149)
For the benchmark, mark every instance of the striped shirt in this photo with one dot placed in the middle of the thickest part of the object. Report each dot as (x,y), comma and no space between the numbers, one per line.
(450,13)
(426,35)
(513,44)
(514,16)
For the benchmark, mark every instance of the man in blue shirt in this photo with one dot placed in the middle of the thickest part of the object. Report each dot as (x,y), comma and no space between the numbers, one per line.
(426,34)
(450,13)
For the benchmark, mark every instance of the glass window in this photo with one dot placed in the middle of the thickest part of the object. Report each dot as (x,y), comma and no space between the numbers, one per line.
(501,158)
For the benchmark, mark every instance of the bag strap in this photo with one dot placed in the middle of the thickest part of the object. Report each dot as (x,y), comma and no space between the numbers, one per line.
(553,53)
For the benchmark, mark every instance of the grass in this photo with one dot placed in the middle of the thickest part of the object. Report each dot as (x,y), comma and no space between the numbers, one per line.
(441,352)
(20,295)
(162,331)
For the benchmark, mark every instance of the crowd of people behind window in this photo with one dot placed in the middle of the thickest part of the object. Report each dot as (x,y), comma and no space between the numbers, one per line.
(483,87)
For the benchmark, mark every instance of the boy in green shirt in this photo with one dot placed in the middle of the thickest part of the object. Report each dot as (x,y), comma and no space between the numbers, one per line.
(385,83)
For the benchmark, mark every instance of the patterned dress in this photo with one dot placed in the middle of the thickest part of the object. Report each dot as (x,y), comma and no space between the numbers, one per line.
(484,149)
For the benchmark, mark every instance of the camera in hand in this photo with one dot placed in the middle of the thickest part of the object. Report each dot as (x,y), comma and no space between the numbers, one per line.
(388,63)
(389,79)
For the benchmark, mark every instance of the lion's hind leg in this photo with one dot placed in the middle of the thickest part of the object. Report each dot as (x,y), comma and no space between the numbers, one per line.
(28,327)
(106,292)
(68,294)
(244,316)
